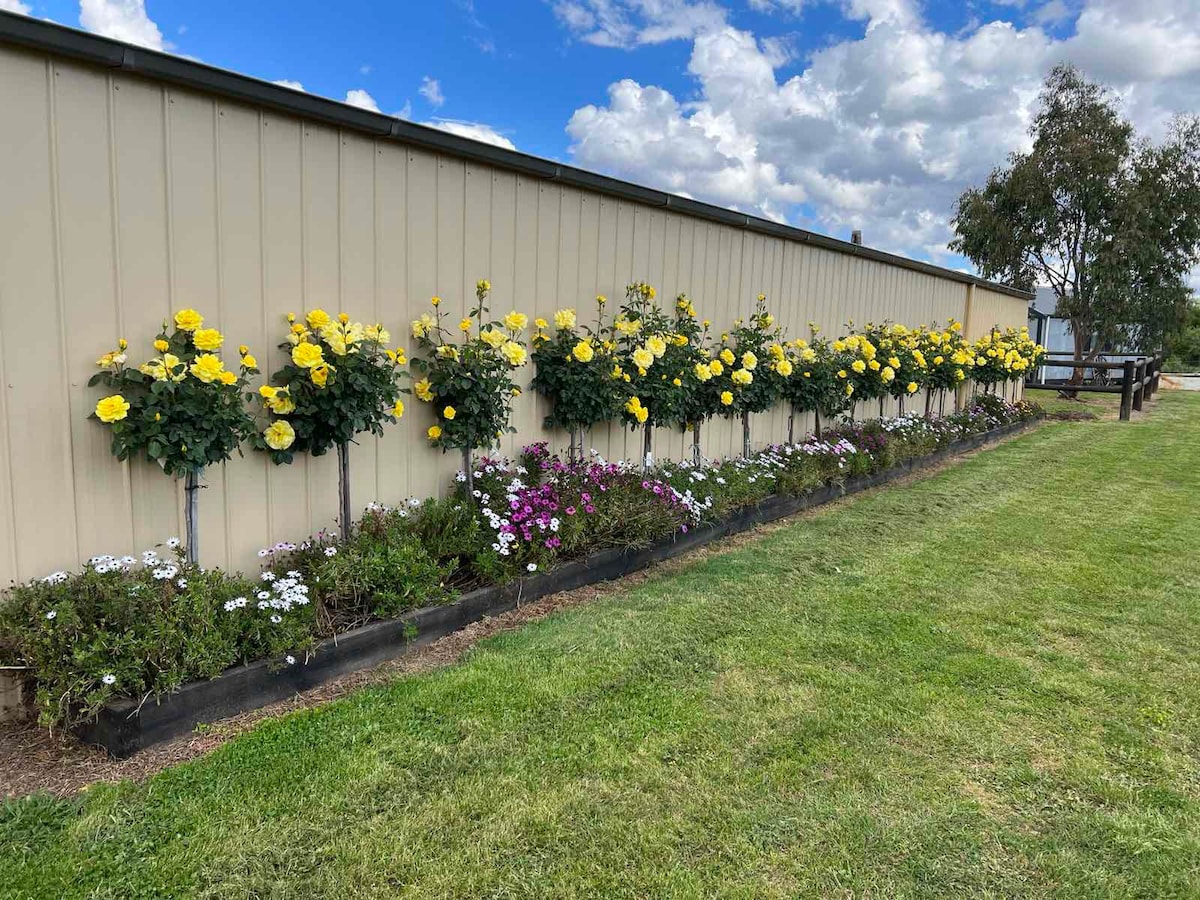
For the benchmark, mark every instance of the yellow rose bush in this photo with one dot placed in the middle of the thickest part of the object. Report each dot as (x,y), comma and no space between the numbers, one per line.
(1003,356)
(181,409)
(471,372)
(341,380)
(820,381)
(576,371)
(754,362)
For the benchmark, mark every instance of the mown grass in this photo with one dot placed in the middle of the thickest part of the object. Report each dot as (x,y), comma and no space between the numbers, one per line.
(980,684)
(1100,405)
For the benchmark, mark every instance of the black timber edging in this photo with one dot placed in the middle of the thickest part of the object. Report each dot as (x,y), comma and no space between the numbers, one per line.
(49,37)
(125,726)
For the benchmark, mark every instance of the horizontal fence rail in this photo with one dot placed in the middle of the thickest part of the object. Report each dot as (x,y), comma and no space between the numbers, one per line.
(1138,380)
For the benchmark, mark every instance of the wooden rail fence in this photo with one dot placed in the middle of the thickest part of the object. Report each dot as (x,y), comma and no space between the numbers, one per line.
(1138,379)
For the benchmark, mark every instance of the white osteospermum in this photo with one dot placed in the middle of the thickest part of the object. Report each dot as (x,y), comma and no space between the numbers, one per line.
(109,679)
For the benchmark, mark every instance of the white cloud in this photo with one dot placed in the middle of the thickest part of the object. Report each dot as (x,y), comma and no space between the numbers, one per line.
(431,90)
(628,23)
(880,132)
(15,6)
(360,98)
(365,69)
(475,130)
(124,20)
(288,83)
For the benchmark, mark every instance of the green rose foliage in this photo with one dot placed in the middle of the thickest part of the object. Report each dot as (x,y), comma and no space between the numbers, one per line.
(899,349)
(954,351)
(641,327)
(474,376)
(183,414)
(754,336)
(353,388)
(575,372)
(815,384)
(701,396)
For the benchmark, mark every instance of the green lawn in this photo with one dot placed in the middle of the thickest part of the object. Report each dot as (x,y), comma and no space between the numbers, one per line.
(984,683)
(1099,405)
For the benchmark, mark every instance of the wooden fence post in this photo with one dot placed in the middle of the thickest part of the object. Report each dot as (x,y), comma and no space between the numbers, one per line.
(1139,386)
(1127,389)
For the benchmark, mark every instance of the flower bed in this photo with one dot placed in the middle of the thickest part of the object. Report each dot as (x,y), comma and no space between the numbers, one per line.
(327,606)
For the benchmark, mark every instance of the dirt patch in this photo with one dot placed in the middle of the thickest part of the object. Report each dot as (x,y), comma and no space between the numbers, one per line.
(32,759)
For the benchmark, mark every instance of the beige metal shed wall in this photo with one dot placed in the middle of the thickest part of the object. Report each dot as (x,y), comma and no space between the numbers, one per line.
(124,200)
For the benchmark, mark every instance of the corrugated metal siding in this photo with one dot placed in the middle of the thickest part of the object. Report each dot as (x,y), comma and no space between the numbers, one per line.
(132,200)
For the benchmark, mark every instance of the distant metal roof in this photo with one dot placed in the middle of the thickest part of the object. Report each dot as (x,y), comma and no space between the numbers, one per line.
(49,37)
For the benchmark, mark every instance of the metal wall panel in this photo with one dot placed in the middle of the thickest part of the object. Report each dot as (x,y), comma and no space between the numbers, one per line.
(135,199)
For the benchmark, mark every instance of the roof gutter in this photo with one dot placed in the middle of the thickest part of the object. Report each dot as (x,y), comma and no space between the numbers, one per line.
(48,37)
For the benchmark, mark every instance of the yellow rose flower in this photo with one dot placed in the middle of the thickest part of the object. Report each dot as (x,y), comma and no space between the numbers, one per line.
(398,409)
(676,382)
(282,403)
(656,345)
(783,367)
(726,398)
(643,358)
(703,373)
(228,377)
(715,367)
(741,376)
(207,339)
(320,374)
(888,374)
(207,368)
(435,301)
(727,356)
(858,366)
(583,352)
(911,387)
(307,356)
(514,353)
(434,432)
(249,361)
(279,435)
(449,413)
(464,325)
(515,321)
(318,319)
(161,346)
(423,391)
(564,319)
(749,360)
(112,409)
(188,320)
(493,337)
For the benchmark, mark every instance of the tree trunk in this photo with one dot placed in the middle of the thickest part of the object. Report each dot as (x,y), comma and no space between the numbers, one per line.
(817,422)
(343,450)
(697,456)
(746,434)
(467,470)
(792,426)
(191,515)
(928,402)
(647,447)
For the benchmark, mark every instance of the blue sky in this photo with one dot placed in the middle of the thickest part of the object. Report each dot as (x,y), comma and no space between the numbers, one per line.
(830,114)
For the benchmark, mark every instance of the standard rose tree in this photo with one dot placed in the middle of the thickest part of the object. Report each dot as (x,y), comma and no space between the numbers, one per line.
(577,373)
(341,380)
(468,381)
(182,410)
